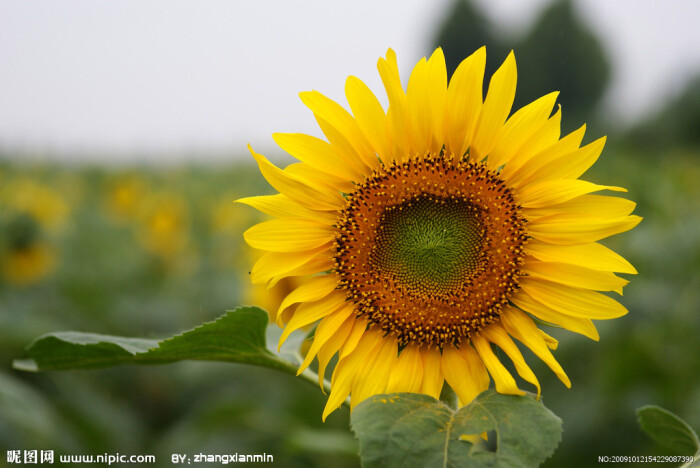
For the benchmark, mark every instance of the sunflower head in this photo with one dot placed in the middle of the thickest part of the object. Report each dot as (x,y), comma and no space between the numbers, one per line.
(435,229)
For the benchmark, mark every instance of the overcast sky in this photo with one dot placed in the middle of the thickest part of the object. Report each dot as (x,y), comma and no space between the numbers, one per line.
(83,77)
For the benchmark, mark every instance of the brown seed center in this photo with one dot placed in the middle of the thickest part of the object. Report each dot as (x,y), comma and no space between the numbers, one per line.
(429,249)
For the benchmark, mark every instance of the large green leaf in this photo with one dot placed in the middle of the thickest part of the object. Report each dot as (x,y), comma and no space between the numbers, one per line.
(237,336)
(406,430)
(668,430)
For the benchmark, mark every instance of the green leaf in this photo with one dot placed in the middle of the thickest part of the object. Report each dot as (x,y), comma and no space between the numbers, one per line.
(406,429)
(668,430)
(238,336)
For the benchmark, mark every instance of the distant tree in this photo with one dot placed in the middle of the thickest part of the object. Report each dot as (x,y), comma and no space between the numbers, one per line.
(465,29)
(560,53)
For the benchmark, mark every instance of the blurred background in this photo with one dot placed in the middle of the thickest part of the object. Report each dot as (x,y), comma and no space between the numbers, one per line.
(122,145)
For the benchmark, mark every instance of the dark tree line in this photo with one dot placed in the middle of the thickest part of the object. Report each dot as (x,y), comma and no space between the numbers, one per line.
(560,52)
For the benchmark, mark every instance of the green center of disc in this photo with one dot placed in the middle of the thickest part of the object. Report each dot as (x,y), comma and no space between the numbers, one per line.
(429,244)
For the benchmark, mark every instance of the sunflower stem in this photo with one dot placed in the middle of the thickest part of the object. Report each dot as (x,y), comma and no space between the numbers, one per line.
(448,396)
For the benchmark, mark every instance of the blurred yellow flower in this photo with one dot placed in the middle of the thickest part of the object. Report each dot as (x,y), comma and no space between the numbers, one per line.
(163,227)
(28,265)
(31,212)
(24,195)
(124,197)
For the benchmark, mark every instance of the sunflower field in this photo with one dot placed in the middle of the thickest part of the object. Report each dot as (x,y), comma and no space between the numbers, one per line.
(151,252)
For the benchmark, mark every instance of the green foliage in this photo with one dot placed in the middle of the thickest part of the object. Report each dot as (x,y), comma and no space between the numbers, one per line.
(407,430)
(674,125)
(668,430)
(238,336)
(24,410)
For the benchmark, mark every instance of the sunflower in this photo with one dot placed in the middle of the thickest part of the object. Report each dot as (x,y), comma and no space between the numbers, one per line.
(28,264)
(436,230)
(32,215)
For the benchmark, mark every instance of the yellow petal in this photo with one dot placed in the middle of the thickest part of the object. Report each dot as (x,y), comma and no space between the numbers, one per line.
(375,376)
(358,330)
(342,146)
(426,100)
(369,115)
(499,100)
(419,116)
(477,370)
(546,137)
(570,229)
(519,325)
(327,328)
(317,153)
(576,302)
(574,165)
(309,312)
(281,206)
(283,319)
(279,264)
(499,337)
(557,191)
(319,263)
(389,72)
(551,342)
(295,188)
(520,171)
(339,392)
(520,127)
(578,325)
(370,341)
(571,165)
(314,289)
(437,93)
(397,113)
(288,235)
(340,119)
(464,102)
(330,347)
(464,372)
(574,275)
(505,383)
(319,180)
(432,372)
(348,368)
(592,255)
(592,205)
(407,373)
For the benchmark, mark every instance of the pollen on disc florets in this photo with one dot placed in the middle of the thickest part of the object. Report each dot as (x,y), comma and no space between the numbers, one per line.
(429,249)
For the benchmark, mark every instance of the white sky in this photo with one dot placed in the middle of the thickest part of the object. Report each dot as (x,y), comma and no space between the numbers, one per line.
(148,77)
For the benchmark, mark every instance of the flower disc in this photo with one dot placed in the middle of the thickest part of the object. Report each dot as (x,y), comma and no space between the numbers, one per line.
(429,249)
